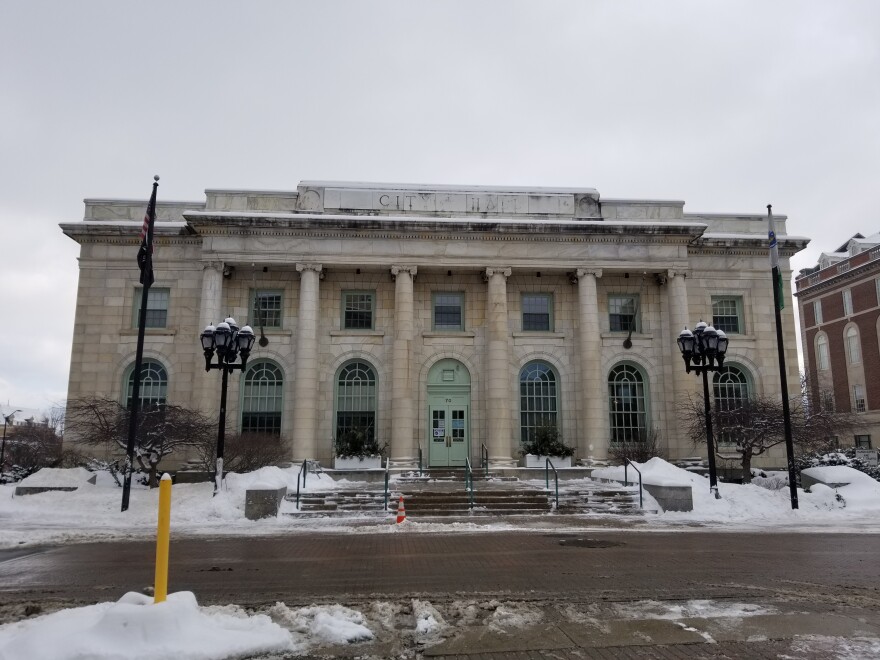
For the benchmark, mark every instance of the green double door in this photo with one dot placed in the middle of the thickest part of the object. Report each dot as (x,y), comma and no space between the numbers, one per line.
(449,439)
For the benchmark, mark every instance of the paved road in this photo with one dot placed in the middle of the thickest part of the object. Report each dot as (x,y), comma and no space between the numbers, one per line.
(564,596)
(610,566)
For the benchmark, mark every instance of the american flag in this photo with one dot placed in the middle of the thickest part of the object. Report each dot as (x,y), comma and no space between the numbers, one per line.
(145,253)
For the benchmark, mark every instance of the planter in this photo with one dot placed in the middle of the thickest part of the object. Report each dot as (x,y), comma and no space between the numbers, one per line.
(532,461)
(357,463)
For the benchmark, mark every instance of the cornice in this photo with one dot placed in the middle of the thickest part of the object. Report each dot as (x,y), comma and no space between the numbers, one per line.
(837,280)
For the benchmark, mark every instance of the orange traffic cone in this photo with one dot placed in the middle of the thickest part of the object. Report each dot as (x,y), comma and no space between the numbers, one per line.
(401,510)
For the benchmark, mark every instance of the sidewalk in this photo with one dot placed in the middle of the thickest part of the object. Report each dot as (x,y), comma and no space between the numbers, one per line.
(793,636)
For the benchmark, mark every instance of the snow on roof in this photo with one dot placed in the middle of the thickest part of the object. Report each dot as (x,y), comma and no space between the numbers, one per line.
(428,187)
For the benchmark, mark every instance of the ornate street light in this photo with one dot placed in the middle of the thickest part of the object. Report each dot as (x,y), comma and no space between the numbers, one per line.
(6,419)
(703,351)
(228,341)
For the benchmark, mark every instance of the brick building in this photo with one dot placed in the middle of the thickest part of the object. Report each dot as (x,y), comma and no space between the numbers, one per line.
(440,319)
(839,307)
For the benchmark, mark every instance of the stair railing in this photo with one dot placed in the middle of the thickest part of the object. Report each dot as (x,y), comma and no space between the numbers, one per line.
(469,482)
(387,461)
(420,460)
(303,471)
(547,467)
(484,458)
(626,464)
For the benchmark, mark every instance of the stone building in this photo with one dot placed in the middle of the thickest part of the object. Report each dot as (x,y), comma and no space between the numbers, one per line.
(839,306)
(441,318)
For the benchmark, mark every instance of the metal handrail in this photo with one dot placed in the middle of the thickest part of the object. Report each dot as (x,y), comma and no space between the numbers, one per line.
(547,467)
(626,464)
(484,458)
(469,482)
(387,461)
(303,471)
(420,461)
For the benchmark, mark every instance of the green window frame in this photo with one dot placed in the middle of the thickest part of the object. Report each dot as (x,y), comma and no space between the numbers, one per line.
(727,314)
(267,305)
(731,389)
(538,399)
(154,385)
(356,402)
(447,310)
(623,312)
(262,398)
(863,441)
(358,310)
(537,312)
(158,301)
(627,404)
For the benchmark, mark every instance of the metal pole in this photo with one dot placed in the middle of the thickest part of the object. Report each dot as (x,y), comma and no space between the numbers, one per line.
(786,413)
(710,440)
(3,449)
(783,377)
(221,429)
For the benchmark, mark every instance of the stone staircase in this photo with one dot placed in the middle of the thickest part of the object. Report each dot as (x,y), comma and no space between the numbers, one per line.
(442,493)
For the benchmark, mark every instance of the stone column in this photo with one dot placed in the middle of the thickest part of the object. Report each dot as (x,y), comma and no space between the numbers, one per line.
(210,311)
(500,441)
(683,383)
(403,420)
(305,385)
(593,440)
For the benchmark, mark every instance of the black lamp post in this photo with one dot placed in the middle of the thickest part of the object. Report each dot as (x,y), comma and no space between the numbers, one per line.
(703,351)
(228,341)
(6,419)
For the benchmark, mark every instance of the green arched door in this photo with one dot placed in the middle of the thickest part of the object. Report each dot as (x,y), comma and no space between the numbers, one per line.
(449,398)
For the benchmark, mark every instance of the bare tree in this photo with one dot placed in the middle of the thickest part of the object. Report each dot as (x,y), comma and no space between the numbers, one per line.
(161,430)
(640,449)
(244,452)
(34,445)
(756,424)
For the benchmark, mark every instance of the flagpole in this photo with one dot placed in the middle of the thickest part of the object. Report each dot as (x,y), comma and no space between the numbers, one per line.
(145,262)
(778,304)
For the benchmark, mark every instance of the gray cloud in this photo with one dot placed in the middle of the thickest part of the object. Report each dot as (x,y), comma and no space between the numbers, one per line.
(729,106)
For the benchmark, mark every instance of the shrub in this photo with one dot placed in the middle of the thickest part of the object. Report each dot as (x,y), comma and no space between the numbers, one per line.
(546,442)
(357,442)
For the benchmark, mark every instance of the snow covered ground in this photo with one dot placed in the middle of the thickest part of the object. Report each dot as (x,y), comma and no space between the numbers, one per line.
(135,628)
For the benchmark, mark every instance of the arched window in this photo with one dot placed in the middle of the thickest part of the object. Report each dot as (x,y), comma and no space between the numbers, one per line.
(356,401)
(853,346)
(153,388)
(261,399)
(822,358)
(538,399)
(731,388)
(732,392)
(627,404)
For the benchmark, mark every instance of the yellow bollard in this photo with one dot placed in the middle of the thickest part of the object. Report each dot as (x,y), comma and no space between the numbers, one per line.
(163,537)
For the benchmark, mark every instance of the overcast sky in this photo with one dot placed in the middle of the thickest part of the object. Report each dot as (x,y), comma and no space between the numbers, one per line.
(728,106)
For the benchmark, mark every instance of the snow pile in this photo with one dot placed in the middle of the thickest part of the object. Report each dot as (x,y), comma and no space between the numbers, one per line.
(860,492)
(135,628)
(333,624)
(752,505)
(58,477)
(656,472)
(709,609)
(429,622)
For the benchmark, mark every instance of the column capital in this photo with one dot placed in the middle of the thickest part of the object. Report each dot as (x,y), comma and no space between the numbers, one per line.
(498,271)
(212,264)
(395,270)
(676,272)
(583,272)
(318,268)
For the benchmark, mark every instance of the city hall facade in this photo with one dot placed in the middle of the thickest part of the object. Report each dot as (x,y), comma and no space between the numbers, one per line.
(450,320)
